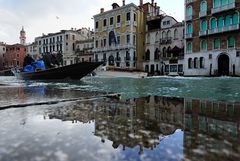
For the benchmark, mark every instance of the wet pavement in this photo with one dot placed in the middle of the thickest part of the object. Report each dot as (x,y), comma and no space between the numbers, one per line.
(88,126)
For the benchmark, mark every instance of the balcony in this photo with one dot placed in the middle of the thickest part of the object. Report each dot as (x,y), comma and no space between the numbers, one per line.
(202,14)
(188,18)
(188,36)
(189,1)
(203,33)
(167,40)
(224,8)
(118,25)
(223,29)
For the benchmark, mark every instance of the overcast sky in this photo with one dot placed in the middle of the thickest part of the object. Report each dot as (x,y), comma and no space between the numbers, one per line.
(47,16)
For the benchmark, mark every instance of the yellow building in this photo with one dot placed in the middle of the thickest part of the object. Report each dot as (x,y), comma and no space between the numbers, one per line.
(119,36)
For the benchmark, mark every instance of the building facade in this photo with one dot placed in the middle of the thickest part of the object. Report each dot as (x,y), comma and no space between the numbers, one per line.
(31,49)
(172,46)
(212,37)
(84,50)
(119,36)
(63,42)
(14,56)
(2,55)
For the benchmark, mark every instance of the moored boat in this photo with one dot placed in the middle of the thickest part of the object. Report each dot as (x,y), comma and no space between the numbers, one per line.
(74,71)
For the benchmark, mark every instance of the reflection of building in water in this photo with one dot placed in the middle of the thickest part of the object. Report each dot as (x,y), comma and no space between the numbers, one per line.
(212,127)
(141,122)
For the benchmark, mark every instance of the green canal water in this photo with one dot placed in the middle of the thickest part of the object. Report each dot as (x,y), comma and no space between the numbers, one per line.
(156,119)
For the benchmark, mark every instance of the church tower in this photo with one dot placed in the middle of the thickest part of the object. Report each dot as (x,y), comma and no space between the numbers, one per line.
(22,36)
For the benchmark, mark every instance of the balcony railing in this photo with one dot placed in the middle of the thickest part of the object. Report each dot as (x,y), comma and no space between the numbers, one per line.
(223,8)
(188,35)
(203,33)
(202,14)
(167,40)
(223,29)
(188,18)
(189,1)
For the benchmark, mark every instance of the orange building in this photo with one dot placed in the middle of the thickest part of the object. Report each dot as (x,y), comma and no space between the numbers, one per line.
(14,56)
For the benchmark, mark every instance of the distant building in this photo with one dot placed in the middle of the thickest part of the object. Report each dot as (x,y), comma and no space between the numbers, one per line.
(63,42)
(84,50)
(14,56)
(212,37)
(22,36)
(2,55)
(31,49)
(119,36)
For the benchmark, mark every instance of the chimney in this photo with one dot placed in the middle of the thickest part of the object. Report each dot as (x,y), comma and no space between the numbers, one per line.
(152,2)
(123,2)
(101,10)
(141,3)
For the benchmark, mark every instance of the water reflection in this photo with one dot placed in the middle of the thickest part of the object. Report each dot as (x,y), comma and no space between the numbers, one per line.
(211,128)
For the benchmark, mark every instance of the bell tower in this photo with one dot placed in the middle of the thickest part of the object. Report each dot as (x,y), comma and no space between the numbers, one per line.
(22,36)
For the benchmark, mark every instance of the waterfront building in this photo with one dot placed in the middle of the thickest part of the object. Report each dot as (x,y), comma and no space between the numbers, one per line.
(84,49)
(31,49)
(2,55)
(172,46)
(14,56)
(151,62)
(63,42)
(119,36)
(211,40)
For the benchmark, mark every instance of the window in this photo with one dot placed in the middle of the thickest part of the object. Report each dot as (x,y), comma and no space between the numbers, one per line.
(134,39)
(213,23)
(189,11)
(195,63)
(175,34)
(228,20)
(189,28)
(216,43)
(118,40)
(96,43)
(73,37)
(231,42)
(134,17)
(128,16)
(203,6)
(111,21)
(96,25)
(104,42)
(203,25)
(164,35)
(235,18)
(220,22)
(169,34)
(201,62)
(216,3)
(189,47)
(128,39)
(119,19)
(105,22)
(203,45)
(66,38)
(190,63)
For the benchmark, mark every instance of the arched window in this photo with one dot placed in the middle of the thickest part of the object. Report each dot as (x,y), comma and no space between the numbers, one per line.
(147,56)
(164,52)
(231,42)
(189,47)
(156,54)
(203,6)
(148,38)
(220,22)
(203,45)
(164,35)
(189,10)
(195,63)
(175,34)
(157,37)
(201,62)
(203,25)
(190,63)
(189,28)
(213,23)
(235,18)
(168,34)
(228,20)
(216,43)
(224,2)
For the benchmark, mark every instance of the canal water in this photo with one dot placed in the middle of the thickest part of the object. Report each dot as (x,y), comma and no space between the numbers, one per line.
(161,118)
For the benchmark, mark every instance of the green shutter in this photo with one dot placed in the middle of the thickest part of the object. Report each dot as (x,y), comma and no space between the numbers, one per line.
(189,10)
(216,43)
(203,6)
(216,3)
(203,45)
(231,42)
(204,25)
(213,23)
(189,28)
(224,2)
(228,20)
(220,22)
(189,46)
(235,18)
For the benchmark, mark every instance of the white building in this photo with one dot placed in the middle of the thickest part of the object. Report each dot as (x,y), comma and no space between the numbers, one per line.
(63,42)
(31,49)
(2,54)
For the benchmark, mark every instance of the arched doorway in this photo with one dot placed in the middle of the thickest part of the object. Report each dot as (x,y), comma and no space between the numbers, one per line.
(111,60)
(223,65)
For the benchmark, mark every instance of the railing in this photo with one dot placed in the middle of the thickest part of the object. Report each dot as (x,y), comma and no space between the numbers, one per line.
(189,1)
(117,47)
(203,33)
(188,35)
(223,29)
(167,40)
(202,14)
(223,8)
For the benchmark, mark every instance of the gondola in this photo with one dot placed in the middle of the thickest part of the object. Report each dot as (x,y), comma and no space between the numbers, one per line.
(74,71)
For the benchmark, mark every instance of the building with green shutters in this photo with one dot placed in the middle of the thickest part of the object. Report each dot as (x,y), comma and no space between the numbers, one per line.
(212,38)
